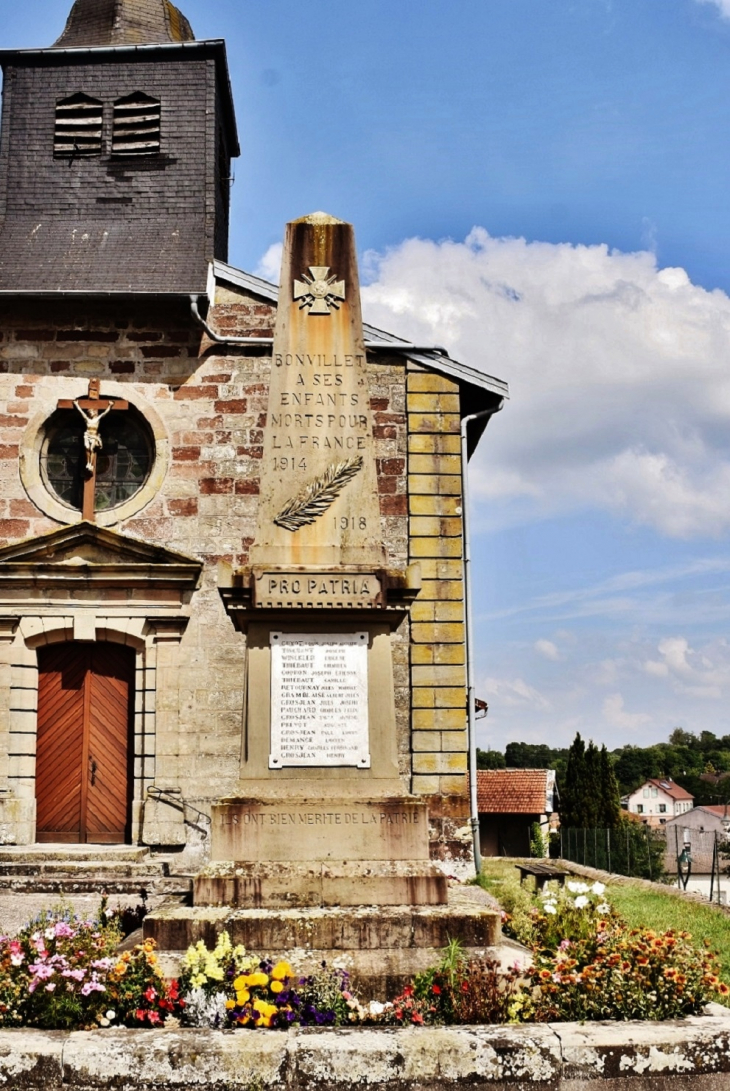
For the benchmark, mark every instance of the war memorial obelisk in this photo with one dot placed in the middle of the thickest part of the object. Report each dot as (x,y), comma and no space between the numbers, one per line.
(322,816)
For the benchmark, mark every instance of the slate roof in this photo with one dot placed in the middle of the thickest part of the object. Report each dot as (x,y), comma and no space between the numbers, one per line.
(513,791)
(437,360)
(124,22)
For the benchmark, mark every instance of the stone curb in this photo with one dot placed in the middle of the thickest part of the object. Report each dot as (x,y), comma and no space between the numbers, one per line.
(693,1052)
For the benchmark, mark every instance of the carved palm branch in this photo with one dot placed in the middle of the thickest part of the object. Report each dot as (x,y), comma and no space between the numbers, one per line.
(317,497)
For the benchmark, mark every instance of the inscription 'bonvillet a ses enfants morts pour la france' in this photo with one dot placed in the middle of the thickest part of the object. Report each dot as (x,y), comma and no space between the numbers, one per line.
(319,706)
(319,494)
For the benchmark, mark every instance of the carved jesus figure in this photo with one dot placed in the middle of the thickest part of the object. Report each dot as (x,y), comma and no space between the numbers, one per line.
(92,439)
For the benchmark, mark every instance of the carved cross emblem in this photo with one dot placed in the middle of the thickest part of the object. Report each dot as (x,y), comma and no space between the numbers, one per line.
(318,290)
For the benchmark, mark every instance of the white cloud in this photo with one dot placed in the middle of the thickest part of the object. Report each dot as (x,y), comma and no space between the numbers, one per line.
(547,649)
(269,267)
(514,693)
(618,374)
(704,674)
(722,5)
(616,715)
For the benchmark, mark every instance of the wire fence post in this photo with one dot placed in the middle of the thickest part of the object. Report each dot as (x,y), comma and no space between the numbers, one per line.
(608,849)
(648,852)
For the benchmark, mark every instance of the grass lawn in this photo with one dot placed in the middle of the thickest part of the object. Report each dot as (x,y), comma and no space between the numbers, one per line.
(640,908)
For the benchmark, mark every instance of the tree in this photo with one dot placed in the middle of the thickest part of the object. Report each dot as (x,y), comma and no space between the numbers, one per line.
(571,797)
(490,759)
(589,798)
(610,809)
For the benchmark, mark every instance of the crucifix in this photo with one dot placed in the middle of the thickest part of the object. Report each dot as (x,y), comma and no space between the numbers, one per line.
(92,408)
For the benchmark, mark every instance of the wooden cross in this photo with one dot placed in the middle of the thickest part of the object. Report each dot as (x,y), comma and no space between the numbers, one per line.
(92,408)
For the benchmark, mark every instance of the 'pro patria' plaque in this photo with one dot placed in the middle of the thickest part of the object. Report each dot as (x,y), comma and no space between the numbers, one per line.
(319,700)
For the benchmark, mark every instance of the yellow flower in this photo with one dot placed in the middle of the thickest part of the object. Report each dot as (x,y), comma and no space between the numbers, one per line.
(230,1004)
(258,979)
(120,968)
(241,982)
(276,986)
(282,970)
(242,996)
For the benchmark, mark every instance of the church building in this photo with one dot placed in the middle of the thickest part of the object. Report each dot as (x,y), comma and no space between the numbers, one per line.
(136,367)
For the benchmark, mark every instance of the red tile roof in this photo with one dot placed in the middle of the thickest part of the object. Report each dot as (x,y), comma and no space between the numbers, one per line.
(511,791)
(669,788)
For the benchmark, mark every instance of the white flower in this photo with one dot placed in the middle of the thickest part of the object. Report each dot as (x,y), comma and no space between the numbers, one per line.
(581,902)
(578,888)
(111,1015)
(598,888)
(550,909)
(604,907)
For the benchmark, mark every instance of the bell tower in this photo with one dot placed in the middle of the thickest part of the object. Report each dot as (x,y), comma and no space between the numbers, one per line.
(115,155)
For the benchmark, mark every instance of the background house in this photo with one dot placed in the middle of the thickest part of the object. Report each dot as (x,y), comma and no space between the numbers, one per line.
(656,801)
(510,801)
(700,830)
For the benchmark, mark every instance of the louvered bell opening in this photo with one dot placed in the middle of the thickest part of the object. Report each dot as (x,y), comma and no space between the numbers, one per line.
(79,122)
(136,126)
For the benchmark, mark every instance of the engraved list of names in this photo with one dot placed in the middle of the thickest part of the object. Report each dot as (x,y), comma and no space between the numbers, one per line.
(319,700)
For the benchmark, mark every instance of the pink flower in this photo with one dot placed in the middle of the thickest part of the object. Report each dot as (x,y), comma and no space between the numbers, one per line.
(63,930)
(41,970)
(50,987)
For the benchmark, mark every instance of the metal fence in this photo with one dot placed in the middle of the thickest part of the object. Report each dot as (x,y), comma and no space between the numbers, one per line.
(636,850)
(697,860)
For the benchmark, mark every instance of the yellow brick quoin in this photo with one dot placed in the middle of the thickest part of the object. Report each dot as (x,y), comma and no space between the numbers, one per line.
(449,506)
(451,633)
(425,382)
(435,547)
(432,403)
(434,422)
(439,719)
(434,484)
(419,444)
(434,464)
(431,526)
(438,676)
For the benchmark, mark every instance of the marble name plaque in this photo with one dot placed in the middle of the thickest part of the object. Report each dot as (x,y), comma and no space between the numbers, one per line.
(319,700)
(355,590)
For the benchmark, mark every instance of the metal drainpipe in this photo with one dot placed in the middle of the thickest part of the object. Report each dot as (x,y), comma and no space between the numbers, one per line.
(372,345)
(469,642)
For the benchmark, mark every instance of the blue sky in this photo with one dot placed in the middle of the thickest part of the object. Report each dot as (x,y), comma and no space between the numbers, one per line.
(541,185)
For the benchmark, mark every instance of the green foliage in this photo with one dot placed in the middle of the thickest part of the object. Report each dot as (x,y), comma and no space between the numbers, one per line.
(490,759)
(542,922)
(631,849)
(620,973)
(537,841)
(458,990)
(524,755)
(63,973)
(589,796)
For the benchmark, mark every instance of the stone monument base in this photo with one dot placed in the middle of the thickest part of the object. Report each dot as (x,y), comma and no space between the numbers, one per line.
(294,829)
(320,883)
(382,947)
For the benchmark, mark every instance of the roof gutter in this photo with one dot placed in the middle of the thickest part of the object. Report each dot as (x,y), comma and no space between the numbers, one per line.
(469,642)
(373,346)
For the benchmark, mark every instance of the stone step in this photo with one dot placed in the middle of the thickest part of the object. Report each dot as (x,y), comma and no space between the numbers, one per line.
(112,868)
(93,884)
(33,854)
(319,883)
(371,928)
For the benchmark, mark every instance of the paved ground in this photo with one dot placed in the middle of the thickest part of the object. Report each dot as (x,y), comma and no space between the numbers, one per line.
(17,909)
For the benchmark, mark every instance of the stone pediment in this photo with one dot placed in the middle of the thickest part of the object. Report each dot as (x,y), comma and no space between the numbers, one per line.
(92,554)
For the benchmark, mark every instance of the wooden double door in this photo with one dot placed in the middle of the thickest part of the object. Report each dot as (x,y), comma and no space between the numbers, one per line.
(84,747)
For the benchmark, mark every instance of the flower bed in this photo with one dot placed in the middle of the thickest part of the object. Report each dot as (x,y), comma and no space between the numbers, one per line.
(64,973)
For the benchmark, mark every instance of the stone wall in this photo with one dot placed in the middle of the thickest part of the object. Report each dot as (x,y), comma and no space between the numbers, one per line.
(686,1055)
(208,406)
